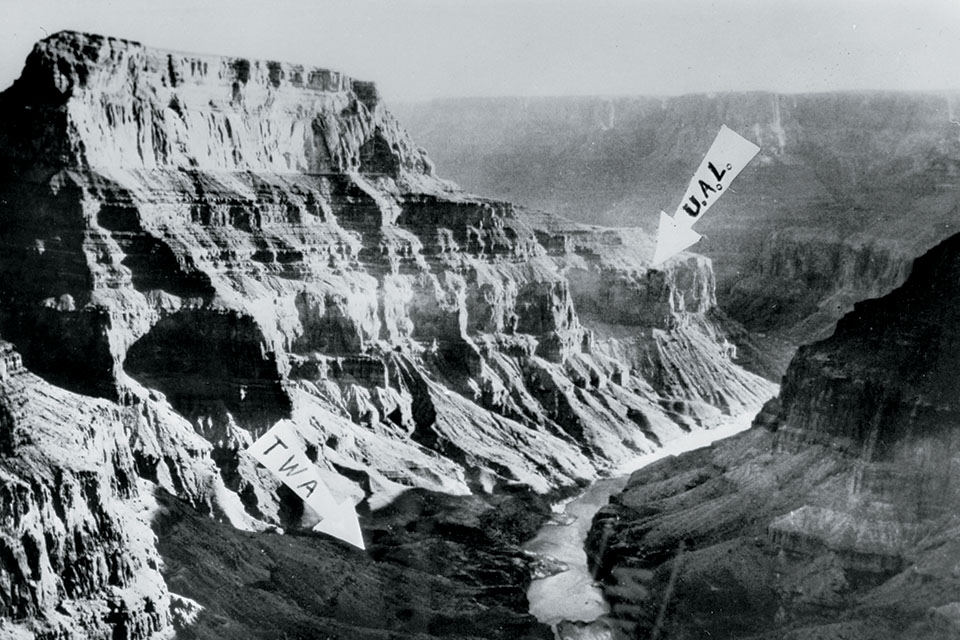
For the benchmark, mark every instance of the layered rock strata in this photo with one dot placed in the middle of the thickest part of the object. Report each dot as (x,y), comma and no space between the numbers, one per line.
(208,245)
(259,241)
(833,517)
(847,190)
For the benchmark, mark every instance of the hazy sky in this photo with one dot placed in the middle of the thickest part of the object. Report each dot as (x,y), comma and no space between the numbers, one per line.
(418,49)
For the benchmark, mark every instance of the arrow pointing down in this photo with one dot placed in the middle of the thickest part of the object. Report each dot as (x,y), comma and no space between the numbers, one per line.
(280,451)
(727,157)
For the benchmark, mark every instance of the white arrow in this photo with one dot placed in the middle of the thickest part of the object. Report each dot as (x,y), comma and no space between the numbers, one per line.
(727,157)
(280,451)
(341,522)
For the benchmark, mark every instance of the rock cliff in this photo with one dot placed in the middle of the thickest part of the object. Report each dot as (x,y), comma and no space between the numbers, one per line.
(834,516)
(79,558)
(202,246)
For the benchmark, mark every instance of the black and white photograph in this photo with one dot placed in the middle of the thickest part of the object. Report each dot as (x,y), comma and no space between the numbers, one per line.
(480,320)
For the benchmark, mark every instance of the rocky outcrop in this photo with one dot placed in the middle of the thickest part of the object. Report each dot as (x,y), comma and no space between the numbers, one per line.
(659,326)
(104,102)
(208,245)
(78,554)
(824,519)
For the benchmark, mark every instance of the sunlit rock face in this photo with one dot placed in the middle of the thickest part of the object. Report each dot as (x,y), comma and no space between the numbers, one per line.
(204,246)
(78,554)
(260,241)
(835,515)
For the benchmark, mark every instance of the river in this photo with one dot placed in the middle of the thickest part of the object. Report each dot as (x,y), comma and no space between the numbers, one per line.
(572,595)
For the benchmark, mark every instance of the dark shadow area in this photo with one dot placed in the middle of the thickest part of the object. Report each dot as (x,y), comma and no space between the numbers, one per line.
(432,570)
(209,363)
(153,265)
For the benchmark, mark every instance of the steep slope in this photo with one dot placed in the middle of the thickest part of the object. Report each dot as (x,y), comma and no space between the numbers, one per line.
(209,245)
(848,187)
(80,559)
(436,566)
(78,554)
(834,517)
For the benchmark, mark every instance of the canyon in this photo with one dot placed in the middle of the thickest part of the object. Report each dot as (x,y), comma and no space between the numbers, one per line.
(847,190)
(834,516)
(193,248)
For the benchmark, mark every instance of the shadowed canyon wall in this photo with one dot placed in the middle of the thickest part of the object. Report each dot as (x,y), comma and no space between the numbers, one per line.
(834,516)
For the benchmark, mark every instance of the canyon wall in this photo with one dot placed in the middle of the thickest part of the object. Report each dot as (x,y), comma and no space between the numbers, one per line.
(203,246)
(847,190)
(834,516)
